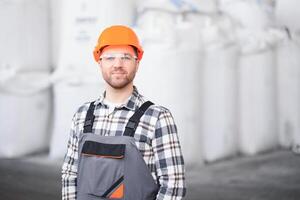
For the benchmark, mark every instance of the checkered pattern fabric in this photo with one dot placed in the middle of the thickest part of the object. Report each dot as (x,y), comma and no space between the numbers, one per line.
(156,138)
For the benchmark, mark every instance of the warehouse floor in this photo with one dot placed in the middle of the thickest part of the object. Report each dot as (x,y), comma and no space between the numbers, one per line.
(274,175)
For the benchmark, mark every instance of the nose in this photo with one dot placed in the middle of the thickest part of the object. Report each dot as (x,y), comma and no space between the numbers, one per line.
(118,62)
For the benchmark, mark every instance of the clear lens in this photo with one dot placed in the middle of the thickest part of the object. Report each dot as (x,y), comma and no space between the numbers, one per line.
(124,57)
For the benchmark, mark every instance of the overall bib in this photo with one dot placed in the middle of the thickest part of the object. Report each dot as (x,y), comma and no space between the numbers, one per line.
(111,167)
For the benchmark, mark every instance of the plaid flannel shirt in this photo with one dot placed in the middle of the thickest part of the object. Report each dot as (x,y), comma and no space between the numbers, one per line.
(156,138)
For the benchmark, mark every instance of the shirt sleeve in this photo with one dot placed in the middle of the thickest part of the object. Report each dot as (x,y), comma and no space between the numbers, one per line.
(168,159)
(69,167)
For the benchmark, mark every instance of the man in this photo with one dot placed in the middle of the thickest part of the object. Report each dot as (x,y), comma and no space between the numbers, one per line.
(122,146)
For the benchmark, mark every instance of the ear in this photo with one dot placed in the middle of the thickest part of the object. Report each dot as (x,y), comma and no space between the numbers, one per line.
(99,64)
(137,65)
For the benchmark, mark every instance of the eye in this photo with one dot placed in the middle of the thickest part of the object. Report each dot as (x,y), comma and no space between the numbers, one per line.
(110,58)
(126,57)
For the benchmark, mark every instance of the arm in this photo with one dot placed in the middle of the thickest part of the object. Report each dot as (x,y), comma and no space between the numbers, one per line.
(168,159)
(69,168)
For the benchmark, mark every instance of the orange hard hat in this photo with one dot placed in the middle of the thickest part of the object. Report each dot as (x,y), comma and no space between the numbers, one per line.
(118,35)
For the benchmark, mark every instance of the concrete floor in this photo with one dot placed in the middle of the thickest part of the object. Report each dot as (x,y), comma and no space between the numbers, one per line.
(274,175)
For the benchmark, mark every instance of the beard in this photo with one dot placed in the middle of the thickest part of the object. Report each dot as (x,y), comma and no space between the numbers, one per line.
(119,79)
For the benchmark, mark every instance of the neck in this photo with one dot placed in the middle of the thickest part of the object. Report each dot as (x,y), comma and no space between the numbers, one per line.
(118,95)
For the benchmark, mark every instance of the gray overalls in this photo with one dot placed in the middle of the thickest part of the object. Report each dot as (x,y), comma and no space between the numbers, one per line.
(111,167)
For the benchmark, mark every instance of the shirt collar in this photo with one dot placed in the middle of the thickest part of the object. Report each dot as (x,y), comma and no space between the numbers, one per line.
(131,103)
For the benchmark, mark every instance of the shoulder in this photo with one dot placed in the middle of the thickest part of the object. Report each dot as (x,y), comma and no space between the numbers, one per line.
(155,109)
(158,111)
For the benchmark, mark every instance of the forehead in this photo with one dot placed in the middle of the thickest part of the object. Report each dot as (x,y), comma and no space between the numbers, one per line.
(118,49)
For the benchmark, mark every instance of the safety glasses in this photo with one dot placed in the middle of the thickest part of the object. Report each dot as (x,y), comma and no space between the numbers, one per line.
(110,58)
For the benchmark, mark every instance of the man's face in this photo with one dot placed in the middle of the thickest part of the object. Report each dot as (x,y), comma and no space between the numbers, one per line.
(118,65)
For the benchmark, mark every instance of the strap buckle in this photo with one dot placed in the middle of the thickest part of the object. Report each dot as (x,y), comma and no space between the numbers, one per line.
(89,122)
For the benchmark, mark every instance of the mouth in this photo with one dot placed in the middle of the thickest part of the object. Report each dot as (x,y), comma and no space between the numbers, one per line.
(118,73)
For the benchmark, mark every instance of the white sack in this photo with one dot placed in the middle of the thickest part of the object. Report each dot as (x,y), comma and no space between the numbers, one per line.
(257,102)
(24,119)
(288,83)
(172,78)
(170,71)
(219,99)
(219,127)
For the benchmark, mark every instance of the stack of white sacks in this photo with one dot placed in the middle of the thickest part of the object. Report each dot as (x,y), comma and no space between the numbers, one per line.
(224,96)
(24,77)
(231,80)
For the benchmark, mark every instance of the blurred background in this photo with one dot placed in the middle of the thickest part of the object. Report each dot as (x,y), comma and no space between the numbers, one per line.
(229,71)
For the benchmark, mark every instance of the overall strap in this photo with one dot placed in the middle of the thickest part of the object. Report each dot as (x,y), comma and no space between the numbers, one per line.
(89,119)
(135,119)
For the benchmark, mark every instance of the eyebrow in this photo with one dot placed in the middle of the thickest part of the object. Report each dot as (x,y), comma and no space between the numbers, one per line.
(124,54)
(117,53)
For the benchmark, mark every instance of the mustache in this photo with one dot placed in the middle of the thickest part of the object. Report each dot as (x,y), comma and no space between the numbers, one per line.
(119,71)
